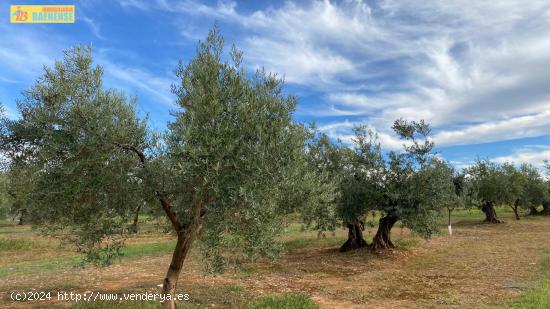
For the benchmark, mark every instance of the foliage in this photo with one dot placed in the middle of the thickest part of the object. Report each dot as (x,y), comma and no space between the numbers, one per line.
(505,184)
(70,173)
(235,147)
(534,189)
(4,208)
(360,186)
(416,184)
(326,165)
(487,184)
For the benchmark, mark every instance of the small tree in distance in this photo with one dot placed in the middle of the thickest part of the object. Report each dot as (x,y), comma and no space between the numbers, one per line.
(534,191)
(487,188)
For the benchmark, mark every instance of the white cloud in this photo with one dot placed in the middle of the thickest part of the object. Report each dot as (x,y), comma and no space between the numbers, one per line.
(479,65)
(342,131)
(94,27)
(509,129)
(22,65)
(139,79)
(535,155)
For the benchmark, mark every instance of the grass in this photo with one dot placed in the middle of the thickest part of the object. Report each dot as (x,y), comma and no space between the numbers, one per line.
(308,242)
(539,296)
(406,244)
(129,252)
(16,232)
(139,250)
(20,244)
(285,301)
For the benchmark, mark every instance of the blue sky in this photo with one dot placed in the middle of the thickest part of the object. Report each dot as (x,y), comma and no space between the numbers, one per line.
(478,71)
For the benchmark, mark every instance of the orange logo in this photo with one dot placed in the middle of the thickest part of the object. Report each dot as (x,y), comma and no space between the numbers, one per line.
(20,15)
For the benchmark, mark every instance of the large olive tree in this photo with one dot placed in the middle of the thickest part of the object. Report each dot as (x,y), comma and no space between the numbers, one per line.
(350,170)
(218,173)
(412,186)
(415,185)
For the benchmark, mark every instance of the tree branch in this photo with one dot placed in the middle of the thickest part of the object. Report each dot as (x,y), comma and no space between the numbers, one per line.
(133,148)
(170,213)
(164,201)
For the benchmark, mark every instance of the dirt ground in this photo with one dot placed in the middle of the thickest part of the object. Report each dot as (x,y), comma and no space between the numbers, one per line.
(479,265)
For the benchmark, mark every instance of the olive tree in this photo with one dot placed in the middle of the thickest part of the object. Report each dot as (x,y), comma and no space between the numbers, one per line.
(546,202)
(416,185)
(68,171)
(515,182)
(218,172)
(534,191)
(360,185)
(317,197)
(488,188)
(412,186)
(351,172)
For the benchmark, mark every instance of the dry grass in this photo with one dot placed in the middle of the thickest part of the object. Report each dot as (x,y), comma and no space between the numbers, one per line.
(480,265)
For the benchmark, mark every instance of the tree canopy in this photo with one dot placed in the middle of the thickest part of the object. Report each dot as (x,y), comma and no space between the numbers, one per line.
(218,173)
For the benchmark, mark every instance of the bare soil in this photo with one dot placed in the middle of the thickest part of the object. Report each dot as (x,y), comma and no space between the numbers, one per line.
(480,265)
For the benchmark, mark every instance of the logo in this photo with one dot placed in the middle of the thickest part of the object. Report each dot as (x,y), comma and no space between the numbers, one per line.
(20,16)
(42,14)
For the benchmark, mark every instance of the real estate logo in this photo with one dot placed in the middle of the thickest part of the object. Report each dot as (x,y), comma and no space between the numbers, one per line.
(42,14)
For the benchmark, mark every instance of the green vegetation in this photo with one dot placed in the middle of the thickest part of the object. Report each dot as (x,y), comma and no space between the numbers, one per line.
(65,262)
(285,301)
(19,244)
(539,296)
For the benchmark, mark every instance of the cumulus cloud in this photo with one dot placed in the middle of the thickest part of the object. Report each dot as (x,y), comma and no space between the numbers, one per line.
(534,154)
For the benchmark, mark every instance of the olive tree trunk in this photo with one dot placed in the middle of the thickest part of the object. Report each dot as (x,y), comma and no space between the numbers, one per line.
(176,264)
(355,237)
(134,228)
(490,213)
(382,239)
(516,210)
(22,217)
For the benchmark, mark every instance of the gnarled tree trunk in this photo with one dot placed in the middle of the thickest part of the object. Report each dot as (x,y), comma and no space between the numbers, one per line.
(22,217)
(490,213)
(382,239)
(545,208)
(355,237)
(515,208)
